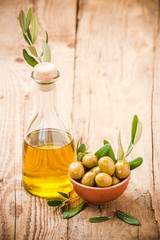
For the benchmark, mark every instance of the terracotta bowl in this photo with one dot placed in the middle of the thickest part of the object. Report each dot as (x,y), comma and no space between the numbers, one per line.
(100,196)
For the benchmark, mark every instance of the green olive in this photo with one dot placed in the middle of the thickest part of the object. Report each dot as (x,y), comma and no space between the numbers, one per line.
(88,179)
(106,165)
(95,170)
(90,160)
(103,180)
(115,180)
(76,170)
(122,169)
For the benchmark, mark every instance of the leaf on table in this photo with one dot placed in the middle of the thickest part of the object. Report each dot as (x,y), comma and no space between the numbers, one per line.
(22,21)
(33,51)
(73,211)
(103,151)
(135,163)
(99,219)
(127,218)
(53,202)
(110,152)
(46,52)
(29,59)
(63,194)
(28,18)
(35,26)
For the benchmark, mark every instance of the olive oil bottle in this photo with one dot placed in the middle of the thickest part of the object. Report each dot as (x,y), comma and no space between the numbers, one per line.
(48,147)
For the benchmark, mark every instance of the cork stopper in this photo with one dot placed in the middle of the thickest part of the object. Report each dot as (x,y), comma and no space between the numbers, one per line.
(44,73)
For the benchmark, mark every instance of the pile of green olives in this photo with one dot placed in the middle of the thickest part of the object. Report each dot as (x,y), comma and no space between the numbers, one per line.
(101,173)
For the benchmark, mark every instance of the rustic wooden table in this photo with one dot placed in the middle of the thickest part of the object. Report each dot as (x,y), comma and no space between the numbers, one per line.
(108,54)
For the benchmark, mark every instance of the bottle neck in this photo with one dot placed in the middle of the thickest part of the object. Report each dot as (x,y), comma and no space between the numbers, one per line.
(46,100)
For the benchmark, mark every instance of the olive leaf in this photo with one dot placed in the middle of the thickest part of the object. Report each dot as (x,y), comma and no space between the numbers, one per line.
(46,52)
(53,202)
(127,218)
(33,51)
(35,26)
(99,219)
(130,148)
(29,59)
(29,35)
(135,163)
(28,18)
(63,194)
(46,42)
(25,37)
(77,147)
(73,211)
(136,132)
(103,151)
(62,205)
(120,151)
(119,139)
(80,155)
(46,37)
(22,21)
(110,153)
(82,148)
(134,127)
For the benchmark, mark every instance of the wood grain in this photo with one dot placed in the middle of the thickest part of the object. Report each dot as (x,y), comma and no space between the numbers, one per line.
(108,55)
(155,128)
(115,40)
(24,216)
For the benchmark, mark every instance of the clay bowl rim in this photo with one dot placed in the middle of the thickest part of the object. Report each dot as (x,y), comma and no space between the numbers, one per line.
(101,188)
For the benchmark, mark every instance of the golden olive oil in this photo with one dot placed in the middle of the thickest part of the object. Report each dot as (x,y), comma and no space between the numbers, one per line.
(47,154)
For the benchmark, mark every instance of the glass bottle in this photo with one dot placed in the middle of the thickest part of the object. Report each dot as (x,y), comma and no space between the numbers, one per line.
(48,146)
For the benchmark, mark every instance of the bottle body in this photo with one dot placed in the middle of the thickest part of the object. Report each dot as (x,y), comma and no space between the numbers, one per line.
(48,149)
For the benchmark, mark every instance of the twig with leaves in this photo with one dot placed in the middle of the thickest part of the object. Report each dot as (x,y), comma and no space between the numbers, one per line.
(61,202)
(30,37)
(136,132)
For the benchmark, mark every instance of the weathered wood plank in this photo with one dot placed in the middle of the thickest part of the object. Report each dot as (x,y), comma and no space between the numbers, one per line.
(156,129)
(23,216)
(114,69)
(113,81)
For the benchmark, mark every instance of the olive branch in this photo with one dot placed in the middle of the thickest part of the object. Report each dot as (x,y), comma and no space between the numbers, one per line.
(30,37)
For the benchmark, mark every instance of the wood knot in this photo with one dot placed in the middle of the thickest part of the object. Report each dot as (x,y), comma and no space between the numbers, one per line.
(70,45)
(15,209)
(90,91)
(27,96)
(19,59)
